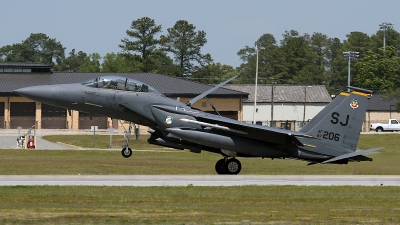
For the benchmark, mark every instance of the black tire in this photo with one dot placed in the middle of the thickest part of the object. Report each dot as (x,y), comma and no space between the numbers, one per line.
(233,166)
(126,153)
(379,129)
(220,166)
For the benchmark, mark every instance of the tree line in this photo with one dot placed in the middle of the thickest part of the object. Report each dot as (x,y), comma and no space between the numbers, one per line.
(307,59)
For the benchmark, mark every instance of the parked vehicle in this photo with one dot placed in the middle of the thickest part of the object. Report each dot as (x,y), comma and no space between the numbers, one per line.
(392,125)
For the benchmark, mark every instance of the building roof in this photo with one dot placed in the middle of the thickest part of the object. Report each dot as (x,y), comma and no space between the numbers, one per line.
(169,86)
(284,93)
(379,103)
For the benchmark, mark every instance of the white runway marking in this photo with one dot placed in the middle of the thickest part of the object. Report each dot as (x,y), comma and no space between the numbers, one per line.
(199,180)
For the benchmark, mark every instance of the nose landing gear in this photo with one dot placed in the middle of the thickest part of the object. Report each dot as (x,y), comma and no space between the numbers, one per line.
(126,151)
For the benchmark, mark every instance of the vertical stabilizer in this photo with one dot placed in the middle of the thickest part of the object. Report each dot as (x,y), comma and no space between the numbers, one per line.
(339,124)
(324,112)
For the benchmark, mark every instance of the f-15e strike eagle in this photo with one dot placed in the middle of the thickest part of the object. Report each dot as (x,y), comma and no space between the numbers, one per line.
(330,137)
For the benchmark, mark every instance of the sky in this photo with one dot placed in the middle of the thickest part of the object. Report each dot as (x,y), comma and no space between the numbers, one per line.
(97,26)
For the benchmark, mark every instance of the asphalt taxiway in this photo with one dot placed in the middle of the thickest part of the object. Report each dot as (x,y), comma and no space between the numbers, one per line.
(199,180)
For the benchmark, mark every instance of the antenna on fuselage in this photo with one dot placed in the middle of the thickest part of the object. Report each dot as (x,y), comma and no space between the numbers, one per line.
(204,94)
(212,106)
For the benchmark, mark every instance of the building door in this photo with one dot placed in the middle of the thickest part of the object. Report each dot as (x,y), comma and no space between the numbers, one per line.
(97,120)
(22,114)
(53,117)
(2,115)
(115,123)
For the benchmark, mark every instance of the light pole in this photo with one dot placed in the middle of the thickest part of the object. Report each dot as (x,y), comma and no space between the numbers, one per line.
(272,101)
(384,27)
(350,55)
(255,90)
(305,100)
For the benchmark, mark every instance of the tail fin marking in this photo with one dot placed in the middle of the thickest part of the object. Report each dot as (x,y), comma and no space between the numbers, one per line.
(337,127)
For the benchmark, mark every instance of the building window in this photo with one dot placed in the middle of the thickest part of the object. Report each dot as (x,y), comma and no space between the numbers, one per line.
(286,125)
(15,70)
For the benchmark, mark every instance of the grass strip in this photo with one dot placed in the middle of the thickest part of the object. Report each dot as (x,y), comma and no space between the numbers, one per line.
(103,162)
(200,205)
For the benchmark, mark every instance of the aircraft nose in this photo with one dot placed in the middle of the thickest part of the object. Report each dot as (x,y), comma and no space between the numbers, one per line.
(47,94)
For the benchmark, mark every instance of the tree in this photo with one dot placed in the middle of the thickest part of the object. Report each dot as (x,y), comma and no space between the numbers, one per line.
(113,63)
(248,67)
(159,62)
(185,44)
(121,63)
(319,45)
(315,71)
(80,62)
(271,60)
(14,53)
(336,63)
(392,38)
(378,72)
(214,73)
(143,31)
(357,41)
(91,63)
(36,48)
(298,53)
(311,75)
(271,63)
(72,63)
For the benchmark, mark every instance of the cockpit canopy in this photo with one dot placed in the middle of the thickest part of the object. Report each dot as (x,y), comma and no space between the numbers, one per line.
(119,83)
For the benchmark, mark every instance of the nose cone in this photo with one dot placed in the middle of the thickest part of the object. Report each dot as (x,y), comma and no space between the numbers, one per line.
(47,94)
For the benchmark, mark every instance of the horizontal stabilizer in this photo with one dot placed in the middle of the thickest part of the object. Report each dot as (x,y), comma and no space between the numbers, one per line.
(349,155)
(360,90)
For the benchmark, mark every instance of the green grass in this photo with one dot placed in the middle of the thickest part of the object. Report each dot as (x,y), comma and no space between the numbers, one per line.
(102,141)
(195,205)
(200,205)
(166,161)
(175,162)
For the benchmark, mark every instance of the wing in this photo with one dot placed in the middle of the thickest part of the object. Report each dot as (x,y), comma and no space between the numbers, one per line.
(257,132)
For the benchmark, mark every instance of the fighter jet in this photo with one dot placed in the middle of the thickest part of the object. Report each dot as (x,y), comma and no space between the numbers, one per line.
(330,137)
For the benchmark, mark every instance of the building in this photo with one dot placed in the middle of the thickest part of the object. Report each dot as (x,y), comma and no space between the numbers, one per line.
(380,110)
(292,105)
(17,111)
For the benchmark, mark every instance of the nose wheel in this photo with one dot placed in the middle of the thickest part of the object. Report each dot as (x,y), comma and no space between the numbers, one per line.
(126,152)
(228,166)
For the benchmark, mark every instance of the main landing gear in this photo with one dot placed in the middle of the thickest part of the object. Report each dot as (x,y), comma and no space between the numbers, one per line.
(228,166)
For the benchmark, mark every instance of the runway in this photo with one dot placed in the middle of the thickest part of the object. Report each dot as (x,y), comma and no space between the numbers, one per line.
(199,180)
